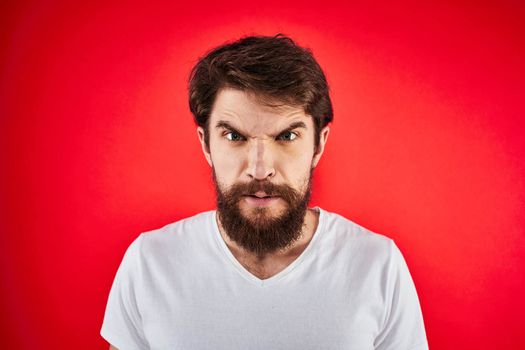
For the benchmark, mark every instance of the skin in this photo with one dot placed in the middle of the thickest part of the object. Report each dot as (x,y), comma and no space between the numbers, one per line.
(262,147)
(250,140)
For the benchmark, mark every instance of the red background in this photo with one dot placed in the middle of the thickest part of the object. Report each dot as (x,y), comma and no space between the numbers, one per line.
(97,145)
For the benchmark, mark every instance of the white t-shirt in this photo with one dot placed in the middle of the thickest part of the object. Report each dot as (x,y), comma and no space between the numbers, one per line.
(180,287)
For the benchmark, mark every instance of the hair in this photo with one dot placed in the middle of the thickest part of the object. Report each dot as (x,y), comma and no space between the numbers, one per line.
(273,68)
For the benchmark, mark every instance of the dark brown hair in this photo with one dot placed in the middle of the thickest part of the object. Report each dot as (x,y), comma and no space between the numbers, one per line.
(273,67)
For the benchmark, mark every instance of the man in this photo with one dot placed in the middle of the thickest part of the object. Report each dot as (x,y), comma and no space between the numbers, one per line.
(263,271)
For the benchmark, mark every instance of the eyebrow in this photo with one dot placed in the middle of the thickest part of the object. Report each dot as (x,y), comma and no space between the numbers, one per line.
(226,125)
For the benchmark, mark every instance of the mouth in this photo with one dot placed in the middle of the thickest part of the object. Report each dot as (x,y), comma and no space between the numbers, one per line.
(260,195)
(260,198)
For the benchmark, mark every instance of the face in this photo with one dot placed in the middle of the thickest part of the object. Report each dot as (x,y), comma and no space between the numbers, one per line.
(262,159)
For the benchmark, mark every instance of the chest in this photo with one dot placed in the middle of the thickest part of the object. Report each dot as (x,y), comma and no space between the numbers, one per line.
(266,269)
(327,315)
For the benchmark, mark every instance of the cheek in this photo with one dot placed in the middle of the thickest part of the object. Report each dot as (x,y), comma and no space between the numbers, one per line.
(227,164)
(301,154)
(296,164)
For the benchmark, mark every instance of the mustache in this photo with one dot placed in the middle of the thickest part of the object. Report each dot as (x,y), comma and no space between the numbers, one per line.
(287,193)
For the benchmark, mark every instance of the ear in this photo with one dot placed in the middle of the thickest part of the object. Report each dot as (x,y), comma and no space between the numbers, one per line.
(205,148)
(323,137)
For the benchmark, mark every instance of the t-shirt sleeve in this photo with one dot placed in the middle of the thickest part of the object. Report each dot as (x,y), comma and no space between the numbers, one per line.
(403,327)
(122,325)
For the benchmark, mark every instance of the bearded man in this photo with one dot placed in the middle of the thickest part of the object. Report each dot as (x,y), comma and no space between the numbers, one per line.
(263,270)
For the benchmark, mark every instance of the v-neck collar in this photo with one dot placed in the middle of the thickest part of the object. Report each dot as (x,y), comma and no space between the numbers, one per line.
(277,277)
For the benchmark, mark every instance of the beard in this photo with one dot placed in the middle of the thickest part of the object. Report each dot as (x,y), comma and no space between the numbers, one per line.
(259,232)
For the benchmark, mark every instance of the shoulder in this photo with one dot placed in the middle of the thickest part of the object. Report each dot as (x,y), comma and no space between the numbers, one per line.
(354,240)
(174,239)
(343,230)
(180,230)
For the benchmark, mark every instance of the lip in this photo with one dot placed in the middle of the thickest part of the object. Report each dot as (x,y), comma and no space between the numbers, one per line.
(260,202)
(259,194)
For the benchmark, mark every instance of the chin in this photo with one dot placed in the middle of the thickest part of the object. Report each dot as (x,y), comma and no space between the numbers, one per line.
(268,212)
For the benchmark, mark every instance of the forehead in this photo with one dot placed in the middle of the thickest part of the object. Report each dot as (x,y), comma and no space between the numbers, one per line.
(253,112)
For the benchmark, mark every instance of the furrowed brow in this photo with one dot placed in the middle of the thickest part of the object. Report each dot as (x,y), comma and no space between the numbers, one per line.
(222,124)
(291,127)
(295,125)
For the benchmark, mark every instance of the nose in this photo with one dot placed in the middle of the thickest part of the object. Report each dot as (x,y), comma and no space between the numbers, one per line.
(260,163)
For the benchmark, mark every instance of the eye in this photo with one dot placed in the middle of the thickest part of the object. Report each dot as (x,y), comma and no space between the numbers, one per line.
(288,136)
(233,136)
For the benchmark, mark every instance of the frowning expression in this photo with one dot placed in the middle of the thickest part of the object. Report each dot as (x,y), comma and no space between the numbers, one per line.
(251,141)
